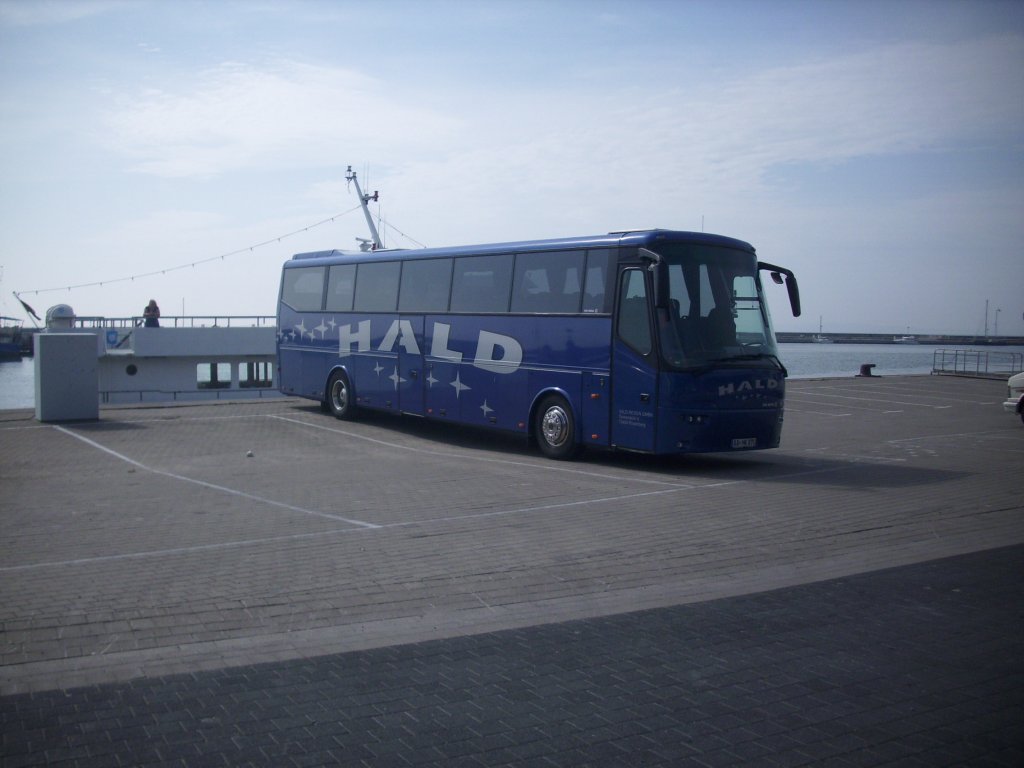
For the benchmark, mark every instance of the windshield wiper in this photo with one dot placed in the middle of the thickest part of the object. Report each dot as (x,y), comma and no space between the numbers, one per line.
(759,356)
(716,362)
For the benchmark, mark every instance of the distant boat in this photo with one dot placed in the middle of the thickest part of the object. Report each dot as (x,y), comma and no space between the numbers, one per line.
(819,337)
(11,339)
(904,340)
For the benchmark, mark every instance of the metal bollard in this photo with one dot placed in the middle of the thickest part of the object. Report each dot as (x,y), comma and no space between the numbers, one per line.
(865,369)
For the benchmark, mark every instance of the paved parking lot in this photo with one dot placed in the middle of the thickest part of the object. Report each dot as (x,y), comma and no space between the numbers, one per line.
(244,542)
(915,666)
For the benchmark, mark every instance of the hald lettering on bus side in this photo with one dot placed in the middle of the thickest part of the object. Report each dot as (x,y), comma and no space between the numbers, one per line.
(750,385)
(495,352)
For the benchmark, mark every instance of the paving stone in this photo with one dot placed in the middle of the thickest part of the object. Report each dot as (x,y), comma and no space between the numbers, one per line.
(835,716)
(709,610)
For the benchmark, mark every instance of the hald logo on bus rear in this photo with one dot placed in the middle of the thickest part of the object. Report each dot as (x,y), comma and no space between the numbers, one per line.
(750,385)
(495,352)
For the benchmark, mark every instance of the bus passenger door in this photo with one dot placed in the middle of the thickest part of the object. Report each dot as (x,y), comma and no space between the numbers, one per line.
(634,367)
(410,372)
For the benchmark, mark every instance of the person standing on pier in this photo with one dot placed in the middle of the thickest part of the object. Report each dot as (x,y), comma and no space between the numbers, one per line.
(151,314)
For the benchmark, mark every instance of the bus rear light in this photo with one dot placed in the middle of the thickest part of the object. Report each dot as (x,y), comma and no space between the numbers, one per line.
(595,395)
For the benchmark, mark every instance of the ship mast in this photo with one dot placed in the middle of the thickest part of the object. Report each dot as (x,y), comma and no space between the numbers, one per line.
(350,177)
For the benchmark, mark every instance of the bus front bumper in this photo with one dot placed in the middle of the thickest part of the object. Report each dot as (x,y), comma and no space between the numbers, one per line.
(692,431)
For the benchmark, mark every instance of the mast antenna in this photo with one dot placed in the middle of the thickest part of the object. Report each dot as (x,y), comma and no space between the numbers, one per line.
(350,177)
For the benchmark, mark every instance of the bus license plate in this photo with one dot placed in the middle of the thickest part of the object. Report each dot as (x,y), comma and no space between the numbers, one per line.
(744,442)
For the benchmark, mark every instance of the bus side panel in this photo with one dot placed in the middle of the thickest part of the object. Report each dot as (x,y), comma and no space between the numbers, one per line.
(487,370)
(594,408)
(410,372)
(474,371)
(366,346)
(442,364)
(302,363)
(289,361)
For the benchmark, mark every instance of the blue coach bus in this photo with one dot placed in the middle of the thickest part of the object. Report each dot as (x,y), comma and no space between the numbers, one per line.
(655,341)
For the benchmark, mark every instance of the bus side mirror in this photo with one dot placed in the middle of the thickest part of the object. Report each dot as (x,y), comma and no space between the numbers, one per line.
(657,268)
(792,289)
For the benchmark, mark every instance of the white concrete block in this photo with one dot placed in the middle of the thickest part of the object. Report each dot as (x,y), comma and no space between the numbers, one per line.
(67,377)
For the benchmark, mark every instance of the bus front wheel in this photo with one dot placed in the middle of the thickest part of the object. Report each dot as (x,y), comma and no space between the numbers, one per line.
(555,428)
(339,396)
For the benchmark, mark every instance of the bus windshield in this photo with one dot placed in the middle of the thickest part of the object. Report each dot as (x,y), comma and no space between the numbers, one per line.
(715,308)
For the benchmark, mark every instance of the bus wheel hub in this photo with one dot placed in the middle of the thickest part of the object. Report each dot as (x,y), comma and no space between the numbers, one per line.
(555,426)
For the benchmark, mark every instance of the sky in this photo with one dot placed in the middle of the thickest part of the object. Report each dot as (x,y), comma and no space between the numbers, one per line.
(183,151)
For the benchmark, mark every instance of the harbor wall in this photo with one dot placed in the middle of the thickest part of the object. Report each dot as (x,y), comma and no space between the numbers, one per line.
(787,337)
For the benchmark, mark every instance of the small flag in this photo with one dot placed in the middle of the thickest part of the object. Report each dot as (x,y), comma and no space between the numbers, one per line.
(28,308)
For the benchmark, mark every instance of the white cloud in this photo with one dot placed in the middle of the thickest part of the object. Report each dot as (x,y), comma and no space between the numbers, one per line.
(44,12)
(723,136)
(897,98)
(291,116)
(656,155)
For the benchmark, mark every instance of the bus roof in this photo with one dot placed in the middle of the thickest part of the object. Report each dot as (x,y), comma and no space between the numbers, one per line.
(636,238)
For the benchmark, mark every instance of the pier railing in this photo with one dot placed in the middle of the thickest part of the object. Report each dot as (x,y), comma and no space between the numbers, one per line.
(977,362)
(181,321)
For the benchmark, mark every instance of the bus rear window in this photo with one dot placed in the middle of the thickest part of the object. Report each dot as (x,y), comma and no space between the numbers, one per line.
(303,288)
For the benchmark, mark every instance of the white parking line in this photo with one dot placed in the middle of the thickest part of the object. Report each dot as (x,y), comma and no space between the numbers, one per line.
(548,466)
(213,486)
(386,526)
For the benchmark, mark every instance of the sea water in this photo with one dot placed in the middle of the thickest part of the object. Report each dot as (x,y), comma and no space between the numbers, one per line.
(803,361)
(17,383)
(808,361)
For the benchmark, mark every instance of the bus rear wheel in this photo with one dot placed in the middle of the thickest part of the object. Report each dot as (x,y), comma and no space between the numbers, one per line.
(339,396)
(555,428)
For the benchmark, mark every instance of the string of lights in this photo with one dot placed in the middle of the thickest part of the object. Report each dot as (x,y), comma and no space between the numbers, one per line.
(186,265)
(389,225)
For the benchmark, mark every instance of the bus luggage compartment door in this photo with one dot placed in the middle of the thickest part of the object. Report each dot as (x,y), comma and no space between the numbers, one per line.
(410,371)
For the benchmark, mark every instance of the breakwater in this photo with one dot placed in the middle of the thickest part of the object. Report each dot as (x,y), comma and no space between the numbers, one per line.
(785,337)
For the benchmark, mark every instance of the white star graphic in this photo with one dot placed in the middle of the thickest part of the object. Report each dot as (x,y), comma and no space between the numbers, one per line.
(486,410)
(377,368)
(459,386)
(321,329)
(431,381)
(301,328)
(396,378)
(332,323)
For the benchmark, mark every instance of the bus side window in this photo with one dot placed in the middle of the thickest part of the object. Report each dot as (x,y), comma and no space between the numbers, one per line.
(596,292)
(634,327)
(482,283)
(341,286)
(377,286)
(547,283)
(425,286)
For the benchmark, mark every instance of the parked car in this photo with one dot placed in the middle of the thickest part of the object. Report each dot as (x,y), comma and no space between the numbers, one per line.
(1014,402)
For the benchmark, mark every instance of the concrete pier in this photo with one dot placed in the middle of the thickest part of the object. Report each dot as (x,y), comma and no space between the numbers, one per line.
(259,583)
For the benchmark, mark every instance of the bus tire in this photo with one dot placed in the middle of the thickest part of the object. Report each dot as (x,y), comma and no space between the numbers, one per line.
(555,428)
(340,401)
